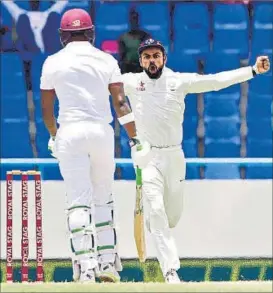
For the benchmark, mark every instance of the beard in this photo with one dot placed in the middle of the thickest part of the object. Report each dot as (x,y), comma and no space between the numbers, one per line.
(153,71)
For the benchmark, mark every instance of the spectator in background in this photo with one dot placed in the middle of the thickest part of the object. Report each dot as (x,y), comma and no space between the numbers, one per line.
(3,30)
(129,43)
(34,28)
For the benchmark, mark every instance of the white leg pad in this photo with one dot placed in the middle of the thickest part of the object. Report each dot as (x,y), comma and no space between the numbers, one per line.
(106,235)
(82,232)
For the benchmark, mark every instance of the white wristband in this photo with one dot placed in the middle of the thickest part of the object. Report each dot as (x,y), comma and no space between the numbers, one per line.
(126,118)
(255,69)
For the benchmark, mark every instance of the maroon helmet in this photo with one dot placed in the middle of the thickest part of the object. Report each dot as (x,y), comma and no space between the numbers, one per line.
(75,22)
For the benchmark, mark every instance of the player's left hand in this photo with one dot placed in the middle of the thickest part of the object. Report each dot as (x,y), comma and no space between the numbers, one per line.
(262,64)
(140,152)
(51,144)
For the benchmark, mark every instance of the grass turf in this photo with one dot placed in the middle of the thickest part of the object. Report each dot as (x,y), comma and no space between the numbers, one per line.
(251,286)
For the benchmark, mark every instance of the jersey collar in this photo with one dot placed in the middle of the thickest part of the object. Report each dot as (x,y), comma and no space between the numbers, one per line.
(78,44)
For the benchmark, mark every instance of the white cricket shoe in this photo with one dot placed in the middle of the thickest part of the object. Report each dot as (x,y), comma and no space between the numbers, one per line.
(108,273)
(172,277)
(89,270)
(88,276)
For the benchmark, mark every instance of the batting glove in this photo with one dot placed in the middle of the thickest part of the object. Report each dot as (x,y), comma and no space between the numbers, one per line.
(50,146)
(140,152)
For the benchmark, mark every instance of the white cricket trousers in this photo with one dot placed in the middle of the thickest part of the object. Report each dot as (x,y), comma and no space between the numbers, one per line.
(163,184)
(85,151)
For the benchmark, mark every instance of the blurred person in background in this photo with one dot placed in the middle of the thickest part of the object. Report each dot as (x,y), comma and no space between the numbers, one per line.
(34,28)
(157,98)
(4,30)
(82,77)
(129,43)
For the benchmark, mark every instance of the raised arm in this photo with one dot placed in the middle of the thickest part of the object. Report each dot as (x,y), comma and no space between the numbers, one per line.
(196,83)
(58,7)
(13,9)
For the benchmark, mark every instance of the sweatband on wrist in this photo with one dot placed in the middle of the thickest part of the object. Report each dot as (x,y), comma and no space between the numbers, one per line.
(255,70)
(126,118)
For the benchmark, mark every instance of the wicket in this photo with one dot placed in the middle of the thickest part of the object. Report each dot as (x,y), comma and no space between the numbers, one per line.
(24,237)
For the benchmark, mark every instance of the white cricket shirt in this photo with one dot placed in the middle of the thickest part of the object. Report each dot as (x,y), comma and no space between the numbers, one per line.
(159,105)
(80,75)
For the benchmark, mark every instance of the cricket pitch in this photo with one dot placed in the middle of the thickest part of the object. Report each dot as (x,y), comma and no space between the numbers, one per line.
(248,286)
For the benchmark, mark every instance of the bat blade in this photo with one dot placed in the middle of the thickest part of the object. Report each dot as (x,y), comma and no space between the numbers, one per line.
(140,237)
(139,232)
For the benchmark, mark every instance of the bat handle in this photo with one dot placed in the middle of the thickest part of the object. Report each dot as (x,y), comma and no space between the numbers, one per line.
(138,176)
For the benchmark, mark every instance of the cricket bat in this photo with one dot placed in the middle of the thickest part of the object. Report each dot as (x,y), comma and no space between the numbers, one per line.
(139,232)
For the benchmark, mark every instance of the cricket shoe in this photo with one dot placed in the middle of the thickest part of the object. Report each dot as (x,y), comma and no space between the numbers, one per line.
(108,273)
(88,276)
(88,271)
(172,277)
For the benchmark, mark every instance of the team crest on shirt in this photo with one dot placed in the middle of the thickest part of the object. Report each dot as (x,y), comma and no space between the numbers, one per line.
(141,86)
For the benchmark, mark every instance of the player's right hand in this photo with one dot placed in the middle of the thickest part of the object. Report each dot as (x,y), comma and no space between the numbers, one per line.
(140,152)
(262,64)
(50,146)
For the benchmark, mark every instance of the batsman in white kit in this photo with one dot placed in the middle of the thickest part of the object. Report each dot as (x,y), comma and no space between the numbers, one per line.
(157,98)
(82,77)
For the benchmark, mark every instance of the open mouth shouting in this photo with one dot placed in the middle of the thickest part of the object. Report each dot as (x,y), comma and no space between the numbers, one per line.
(152,68)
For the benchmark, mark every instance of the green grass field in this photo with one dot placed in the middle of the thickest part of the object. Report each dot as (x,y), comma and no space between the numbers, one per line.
(141,287)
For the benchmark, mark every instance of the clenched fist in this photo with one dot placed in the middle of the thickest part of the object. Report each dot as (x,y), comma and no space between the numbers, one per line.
(262,64)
